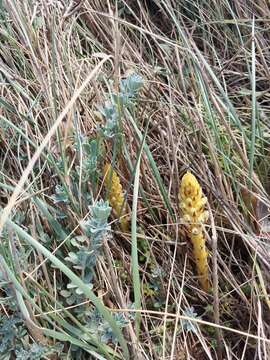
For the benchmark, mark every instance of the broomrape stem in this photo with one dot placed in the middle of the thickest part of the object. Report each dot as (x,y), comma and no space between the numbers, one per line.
(116,196)
(192,204)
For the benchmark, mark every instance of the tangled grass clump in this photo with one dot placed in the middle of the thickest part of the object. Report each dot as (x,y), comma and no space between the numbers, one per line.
(111,100)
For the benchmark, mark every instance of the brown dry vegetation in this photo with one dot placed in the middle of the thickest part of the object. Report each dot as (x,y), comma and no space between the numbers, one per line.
(204,106)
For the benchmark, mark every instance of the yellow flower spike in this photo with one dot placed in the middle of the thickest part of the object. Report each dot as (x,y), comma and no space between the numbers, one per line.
(115,195)
(192,204)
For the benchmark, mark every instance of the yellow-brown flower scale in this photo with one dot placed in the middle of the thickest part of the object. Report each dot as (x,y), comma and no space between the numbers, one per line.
(115,195)
(192,204)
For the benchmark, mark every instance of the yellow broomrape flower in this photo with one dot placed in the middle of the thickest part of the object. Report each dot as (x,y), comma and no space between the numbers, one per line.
(192,204)
(116,195)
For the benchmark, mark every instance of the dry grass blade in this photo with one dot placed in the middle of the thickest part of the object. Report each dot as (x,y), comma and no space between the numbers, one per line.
(184,87)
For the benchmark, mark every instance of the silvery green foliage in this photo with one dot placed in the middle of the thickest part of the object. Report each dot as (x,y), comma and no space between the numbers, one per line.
(14,341)
(111,114)
(131,85)
(88,247)
(37,352)
(187,324)
(10,328)
(102,330)
(112,110)
(97,225)
(60,195)
(91,153)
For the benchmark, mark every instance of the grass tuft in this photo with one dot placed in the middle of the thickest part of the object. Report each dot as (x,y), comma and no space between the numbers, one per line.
(151,89)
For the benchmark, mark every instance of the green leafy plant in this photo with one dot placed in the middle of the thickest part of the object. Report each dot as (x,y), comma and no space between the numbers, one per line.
(91,153)
(60,195)
(14,341)
(36,352)
(101,330)
(188,325)
(88,247)
(113,109)
(11,329)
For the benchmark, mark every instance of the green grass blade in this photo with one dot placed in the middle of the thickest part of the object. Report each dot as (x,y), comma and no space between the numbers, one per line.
(65,337)
(154,168)
(20,292)
(55,225)
(134,250)
(254,111)
(77,281)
